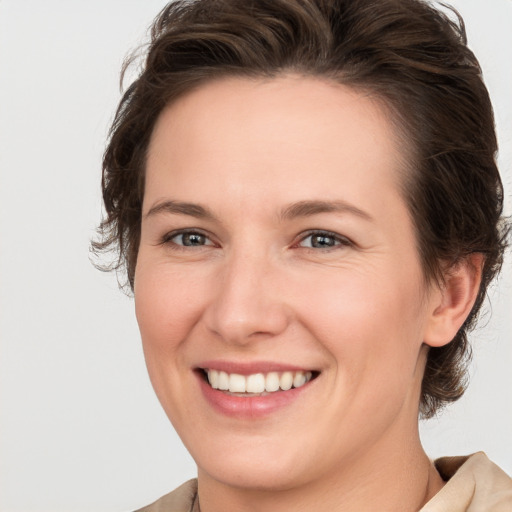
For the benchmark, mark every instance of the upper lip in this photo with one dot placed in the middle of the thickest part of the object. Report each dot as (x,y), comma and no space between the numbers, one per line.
(249,368)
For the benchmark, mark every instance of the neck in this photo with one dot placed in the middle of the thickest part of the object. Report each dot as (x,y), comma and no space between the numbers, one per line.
(400,480)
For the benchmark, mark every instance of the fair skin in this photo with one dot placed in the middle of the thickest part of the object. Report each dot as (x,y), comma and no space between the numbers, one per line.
(275,239)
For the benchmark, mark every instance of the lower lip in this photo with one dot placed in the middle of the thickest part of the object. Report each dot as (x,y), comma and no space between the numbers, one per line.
(251,406)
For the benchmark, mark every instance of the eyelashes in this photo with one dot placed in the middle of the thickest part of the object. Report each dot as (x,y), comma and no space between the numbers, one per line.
(323,240)
(187,239)
(313,240)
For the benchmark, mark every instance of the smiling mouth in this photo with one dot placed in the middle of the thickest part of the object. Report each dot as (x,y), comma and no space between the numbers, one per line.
(256,384)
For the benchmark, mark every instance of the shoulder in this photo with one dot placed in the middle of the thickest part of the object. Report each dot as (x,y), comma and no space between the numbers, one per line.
(180,500)
(474,484)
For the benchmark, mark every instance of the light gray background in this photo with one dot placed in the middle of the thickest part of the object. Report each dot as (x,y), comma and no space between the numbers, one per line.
(80,428)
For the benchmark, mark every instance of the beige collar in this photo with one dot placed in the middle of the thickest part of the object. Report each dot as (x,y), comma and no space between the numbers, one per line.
(474,484)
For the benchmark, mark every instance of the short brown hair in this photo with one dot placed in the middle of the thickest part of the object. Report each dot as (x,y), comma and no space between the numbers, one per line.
(410,55)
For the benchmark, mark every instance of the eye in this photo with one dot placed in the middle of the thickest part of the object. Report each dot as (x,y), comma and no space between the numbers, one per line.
(323,240)
(187,239)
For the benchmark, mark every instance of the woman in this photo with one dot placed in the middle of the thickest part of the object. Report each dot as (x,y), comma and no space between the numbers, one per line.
(305,198)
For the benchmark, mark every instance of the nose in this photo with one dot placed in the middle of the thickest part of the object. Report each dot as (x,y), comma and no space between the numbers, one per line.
(249,302)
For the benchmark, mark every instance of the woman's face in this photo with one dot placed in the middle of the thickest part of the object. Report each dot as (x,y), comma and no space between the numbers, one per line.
(276,248)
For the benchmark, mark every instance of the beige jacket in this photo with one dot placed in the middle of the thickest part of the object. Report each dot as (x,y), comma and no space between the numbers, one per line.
(474,484)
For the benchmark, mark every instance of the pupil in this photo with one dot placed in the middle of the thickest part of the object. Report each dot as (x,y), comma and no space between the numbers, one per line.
(193,239)
(322,241)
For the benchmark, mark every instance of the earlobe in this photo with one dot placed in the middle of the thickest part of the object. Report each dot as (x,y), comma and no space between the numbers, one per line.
(454,300)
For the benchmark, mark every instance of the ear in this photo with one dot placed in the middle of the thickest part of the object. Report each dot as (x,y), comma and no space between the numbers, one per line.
(453,300)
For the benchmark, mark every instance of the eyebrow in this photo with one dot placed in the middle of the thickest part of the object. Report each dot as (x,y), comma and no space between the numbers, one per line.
(299,209)
(308,208)
(181,208)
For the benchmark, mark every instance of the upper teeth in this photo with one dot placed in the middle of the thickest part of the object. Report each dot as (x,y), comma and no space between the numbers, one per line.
(257,382)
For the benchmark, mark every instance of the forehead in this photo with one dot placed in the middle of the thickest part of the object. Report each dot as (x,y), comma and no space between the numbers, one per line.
(287,135)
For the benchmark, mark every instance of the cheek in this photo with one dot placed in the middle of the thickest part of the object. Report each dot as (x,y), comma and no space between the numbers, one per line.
(371,325)
(167,307)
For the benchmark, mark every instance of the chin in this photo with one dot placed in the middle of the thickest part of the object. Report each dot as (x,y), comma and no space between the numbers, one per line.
(259,468)
(257,477)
